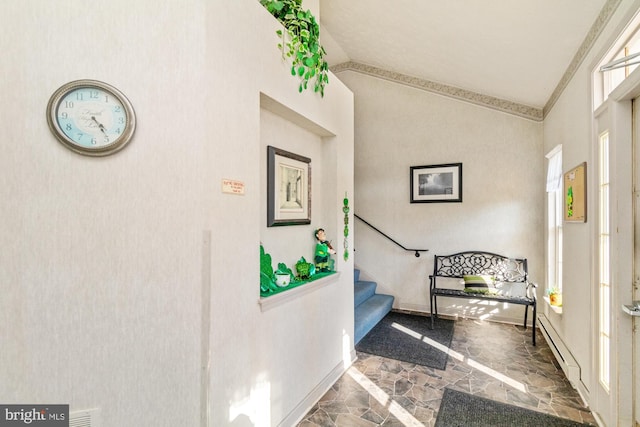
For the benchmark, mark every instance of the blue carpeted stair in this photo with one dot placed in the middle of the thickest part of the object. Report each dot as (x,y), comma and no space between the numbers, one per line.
(370,307)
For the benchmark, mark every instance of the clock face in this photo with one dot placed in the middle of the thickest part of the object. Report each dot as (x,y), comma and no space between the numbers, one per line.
(91,117)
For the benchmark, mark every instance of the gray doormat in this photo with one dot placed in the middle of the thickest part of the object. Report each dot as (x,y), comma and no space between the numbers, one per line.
(459,409)
(409,338)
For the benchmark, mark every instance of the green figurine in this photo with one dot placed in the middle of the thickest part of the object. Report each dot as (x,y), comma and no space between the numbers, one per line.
(305,269)
(324,250)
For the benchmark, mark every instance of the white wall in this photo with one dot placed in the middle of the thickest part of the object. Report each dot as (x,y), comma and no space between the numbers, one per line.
(105,260)
(398,127)
(569,123)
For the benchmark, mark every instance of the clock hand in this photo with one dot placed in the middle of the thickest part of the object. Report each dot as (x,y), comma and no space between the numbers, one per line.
(100,125)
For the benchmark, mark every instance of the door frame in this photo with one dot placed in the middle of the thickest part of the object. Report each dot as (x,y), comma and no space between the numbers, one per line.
(619,110)
(635,293)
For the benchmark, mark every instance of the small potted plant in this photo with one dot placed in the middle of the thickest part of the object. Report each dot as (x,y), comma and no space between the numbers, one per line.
(555,297)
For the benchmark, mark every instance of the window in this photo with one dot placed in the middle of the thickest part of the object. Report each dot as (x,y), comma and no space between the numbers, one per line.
(619,62)
(554,219)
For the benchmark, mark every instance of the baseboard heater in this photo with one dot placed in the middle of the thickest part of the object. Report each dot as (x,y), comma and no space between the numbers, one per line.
(561,352)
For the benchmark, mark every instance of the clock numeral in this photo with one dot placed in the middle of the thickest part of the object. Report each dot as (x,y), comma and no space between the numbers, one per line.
(117,109)
(94,141)
(106,98)
(68,126)
(68,104)
(64,115)
(120,120)
(106,139)
(118,131)
(80,135)
(79,96)
(93,94)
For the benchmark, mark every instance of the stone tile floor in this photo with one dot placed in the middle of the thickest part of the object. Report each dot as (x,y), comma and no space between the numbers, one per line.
(487,359)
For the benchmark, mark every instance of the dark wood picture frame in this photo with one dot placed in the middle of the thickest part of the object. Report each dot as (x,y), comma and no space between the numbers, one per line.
(288,188)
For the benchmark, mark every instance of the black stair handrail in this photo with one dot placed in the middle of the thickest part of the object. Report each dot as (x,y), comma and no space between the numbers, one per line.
(417,251)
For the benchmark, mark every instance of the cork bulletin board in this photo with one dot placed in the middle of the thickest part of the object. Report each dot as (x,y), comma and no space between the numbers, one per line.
(575,194)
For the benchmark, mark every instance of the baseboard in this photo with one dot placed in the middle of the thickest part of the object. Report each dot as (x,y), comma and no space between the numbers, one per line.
(298,413)
(452,314)
(583,391)
(599,420)
(420,308)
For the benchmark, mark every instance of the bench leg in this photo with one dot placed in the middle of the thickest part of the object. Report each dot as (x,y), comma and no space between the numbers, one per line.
(432,303)
(435,304)
(533,324)
(533,321)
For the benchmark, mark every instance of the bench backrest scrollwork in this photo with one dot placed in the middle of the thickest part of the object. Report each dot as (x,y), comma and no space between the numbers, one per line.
(504,269)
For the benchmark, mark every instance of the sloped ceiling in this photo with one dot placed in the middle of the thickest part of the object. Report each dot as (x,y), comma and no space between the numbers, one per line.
(513,50)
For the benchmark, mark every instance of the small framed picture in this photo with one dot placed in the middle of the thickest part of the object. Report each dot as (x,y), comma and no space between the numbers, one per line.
(436,183)
(288,188)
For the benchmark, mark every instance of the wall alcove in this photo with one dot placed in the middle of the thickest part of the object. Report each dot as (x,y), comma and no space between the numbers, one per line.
(286,129)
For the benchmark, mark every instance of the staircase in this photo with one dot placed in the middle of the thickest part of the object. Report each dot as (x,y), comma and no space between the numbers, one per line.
(370,307)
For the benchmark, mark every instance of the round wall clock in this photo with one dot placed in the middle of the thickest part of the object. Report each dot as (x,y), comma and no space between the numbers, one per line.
(91,117)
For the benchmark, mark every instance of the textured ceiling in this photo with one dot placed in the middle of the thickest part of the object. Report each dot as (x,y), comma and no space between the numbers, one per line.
(515,50)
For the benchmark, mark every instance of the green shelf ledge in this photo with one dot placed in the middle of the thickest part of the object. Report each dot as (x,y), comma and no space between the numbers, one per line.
(297,289)
(297,283)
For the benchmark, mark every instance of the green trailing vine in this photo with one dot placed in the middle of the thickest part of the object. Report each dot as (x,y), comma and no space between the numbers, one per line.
(300,42)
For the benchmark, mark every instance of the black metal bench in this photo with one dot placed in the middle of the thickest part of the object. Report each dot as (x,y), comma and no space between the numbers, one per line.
(503,269)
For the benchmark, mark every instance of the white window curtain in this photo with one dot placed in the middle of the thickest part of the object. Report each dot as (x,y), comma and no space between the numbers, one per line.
(554,171)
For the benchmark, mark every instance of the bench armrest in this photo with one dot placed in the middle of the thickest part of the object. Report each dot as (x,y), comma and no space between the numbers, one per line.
(531,290)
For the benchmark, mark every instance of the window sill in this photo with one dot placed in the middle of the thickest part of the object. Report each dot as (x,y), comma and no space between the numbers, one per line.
(278,299)
(555,308)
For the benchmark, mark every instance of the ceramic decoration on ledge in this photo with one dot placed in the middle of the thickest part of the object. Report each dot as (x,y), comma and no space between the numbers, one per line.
(283,279)
(324,250)
(305,269)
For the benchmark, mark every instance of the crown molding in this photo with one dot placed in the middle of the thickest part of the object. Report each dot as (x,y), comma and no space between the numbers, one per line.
(603,17)
(521,110)
(505,106)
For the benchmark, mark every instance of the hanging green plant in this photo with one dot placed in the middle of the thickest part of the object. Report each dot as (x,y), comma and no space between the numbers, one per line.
(300,42)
